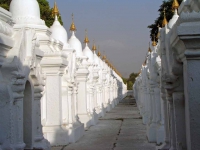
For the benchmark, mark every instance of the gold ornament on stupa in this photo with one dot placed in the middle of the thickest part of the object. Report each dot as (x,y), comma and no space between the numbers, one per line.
(94,46)
(154,41)
(149,50)
(145,62)
(104,58)
(73,27)
(164,22)
(175,5)
(158,34)
(55,11)
(99,53)
(86,37)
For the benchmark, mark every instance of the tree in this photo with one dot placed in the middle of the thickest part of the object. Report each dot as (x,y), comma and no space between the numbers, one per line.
(131,80)
(5,4)
(130,85)
(45,11)
(124,80)
(169,13)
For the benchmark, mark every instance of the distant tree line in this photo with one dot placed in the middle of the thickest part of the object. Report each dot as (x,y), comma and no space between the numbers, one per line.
(167,5)
(45,11)
(130,81)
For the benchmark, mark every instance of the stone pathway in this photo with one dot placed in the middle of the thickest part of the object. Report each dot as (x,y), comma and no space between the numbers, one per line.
(120,129)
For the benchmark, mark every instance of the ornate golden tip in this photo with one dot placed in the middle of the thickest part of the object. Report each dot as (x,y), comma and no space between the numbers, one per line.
(86,37)
(154,41)
(104,57)
(149,50)
(55,11)
(94,46)
(175,5)
(73,27)
(99,54)
(164,22)
(145,62)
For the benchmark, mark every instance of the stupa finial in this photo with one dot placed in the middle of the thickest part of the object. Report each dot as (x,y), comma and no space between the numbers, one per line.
(73,27)
(55,11)
(164,22)
(86,37)
(154,41)
(175,5)
(94,46)
(149,50)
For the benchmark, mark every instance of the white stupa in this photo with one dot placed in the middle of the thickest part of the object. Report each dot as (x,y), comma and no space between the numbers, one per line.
(175,17)
(100,60)
(26,12)
(74,41)
(96,58)
(58,31)
(87,51)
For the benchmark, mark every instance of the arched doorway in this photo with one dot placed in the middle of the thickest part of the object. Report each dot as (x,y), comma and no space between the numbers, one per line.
(27,116)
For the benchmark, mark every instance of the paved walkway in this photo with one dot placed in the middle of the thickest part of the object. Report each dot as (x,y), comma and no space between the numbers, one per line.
(120,129)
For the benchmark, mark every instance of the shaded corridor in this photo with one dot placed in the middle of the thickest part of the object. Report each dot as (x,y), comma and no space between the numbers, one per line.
(120,129)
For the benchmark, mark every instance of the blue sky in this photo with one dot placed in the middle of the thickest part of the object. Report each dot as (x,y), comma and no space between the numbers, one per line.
(119,27)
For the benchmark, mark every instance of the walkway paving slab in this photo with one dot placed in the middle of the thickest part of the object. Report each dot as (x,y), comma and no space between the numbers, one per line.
(120,129)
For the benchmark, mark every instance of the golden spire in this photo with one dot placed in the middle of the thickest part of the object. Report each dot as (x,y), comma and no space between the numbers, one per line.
(154,41)
(73,27)
(149,48)
(164,22)
(55,11)
(86,37)
(94,46)
(175,5)
(104,57)
(99,54)
(145,62)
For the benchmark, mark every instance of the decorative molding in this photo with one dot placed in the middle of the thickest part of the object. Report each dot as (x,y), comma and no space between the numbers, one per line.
(189,17)
(6,29)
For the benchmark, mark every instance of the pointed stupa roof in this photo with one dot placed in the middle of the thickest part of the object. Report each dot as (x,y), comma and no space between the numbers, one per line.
(87,51)
(99,54)
(74,42)
(96,58)
(58,31)
(55,11)
(158,34)
(175,17)
(94,48)
(154,41)
(104,58)
(86,40)
(149,50)
(26,12)
(73,27)
(164,22)
(175,4)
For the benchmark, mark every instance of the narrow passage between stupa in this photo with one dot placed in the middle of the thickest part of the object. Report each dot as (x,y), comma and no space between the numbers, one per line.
(119,129)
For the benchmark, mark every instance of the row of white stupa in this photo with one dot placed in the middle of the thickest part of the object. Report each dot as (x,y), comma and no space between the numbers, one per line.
(167,89)
(49,88)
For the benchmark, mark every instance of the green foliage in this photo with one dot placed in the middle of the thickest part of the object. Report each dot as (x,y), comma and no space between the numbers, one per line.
(45,11)
(5,4)
(131,80)
(169,13)
(124,80)
(130,85)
